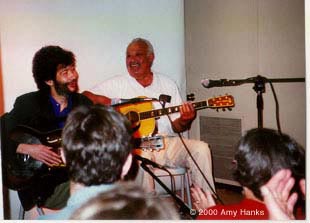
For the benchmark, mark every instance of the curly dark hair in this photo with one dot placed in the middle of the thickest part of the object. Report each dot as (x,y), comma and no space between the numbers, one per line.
(262,152)
(46,61)
(96,144)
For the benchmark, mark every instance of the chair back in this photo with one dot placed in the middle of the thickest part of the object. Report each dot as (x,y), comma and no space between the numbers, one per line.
(3,151)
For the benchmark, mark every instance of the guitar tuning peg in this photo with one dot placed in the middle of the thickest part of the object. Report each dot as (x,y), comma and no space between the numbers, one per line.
(217,110)
(230,109)
(223,109)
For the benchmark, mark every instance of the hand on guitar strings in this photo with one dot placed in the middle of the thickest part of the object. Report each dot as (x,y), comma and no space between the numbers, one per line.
(40,152)
(187,112)
(187,115)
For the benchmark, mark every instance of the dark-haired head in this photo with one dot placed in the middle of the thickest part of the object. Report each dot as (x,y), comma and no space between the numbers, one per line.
(96,145)
(47,61)
(126,202)
(262,152)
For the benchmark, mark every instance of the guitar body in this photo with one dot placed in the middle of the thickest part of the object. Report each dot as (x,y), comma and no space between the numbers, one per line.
(24,170)
(143,128)
(26,166)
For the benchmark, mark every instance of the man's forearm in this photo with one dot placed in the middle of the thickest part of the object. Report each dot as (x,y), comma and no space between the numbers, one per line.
(97,99)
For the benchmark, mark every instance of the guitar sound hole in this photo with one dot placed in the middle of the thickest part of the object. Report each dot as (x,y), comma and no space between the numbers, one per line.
(133,117)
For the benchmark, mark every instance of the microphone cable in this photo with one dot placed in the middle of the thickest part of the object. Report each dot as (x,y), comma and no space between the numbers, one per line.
(163,103)
(277,106)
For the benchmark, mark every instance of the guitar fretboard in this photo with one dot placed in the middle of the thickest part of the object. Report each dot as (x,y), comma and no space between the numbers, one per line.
(165,111)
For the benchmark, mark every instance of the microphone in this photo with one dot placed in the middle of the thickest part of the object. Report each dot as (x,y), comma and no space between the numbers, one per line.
(207,83)
(117,101)
(165,98)
(149,162)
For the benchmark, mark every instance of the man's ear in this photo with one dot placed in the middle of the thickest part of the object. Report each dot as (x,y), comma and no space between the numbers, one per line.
(49,82)
(151,57)
(126,165)
(62,155)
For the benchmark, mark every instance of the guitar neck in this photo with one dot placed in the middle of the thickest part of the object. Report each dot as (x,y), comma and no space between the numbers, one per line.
(166,111)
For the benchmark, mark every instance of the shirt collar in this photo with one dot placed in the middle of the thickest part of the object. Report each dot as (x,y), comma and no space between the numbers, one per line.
(61,114)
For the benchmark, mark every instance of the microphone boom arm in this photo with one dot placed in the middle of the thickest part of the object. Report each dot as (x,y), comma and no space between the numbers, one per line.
(259,88)
(226,82)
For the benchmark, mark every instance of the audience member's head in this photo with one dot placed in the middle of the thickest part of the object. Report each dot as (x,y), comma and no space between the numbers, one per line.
(96,145)
(261,153)
(127,201)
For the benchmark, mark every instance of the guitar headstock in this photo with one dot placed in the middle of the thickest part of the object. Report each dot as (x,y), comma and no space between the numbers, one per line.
(226,101)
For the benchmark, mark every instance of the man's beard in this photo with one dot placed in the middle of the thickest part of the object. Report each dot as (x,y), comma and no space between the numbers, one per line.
(62,89)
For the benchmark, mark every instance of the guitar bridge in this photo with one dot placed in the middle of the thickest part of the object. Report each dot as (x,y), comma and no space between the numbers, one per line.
(152,143)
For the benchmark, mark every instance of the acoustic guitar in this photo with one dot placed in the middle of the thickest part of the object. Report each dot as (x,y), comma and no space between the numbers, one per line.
(142,115)
(25,169)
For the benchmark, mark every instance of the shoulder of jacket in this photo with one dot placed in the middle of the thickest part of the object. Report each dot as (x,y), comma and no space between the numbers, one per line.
(30,97)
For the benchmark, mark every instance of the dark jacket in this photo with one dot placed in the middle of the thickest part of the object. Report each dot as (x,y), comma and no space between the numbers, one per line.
(34,110)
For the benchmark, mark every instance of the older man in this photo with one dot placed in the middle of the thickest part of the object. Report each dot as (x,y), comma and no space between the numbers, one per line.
(142,81)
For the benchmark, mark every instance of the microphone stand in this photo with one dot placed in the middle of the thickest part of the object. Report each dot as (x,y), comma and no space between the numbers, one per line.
(184,209)
(123,101)
(259,88)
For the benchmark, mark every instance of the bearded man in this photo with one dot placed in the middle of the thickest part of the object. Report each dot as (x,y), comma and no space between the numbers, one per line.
(54,71)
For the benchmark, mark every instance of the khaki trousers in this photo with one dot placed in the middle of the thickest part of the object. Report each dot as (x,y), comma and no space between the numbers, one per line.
(175,155)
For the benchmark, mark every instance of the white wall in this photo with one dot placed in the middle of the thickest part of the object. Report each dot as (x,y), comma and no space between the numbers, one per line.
(97,31)
(237,39)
